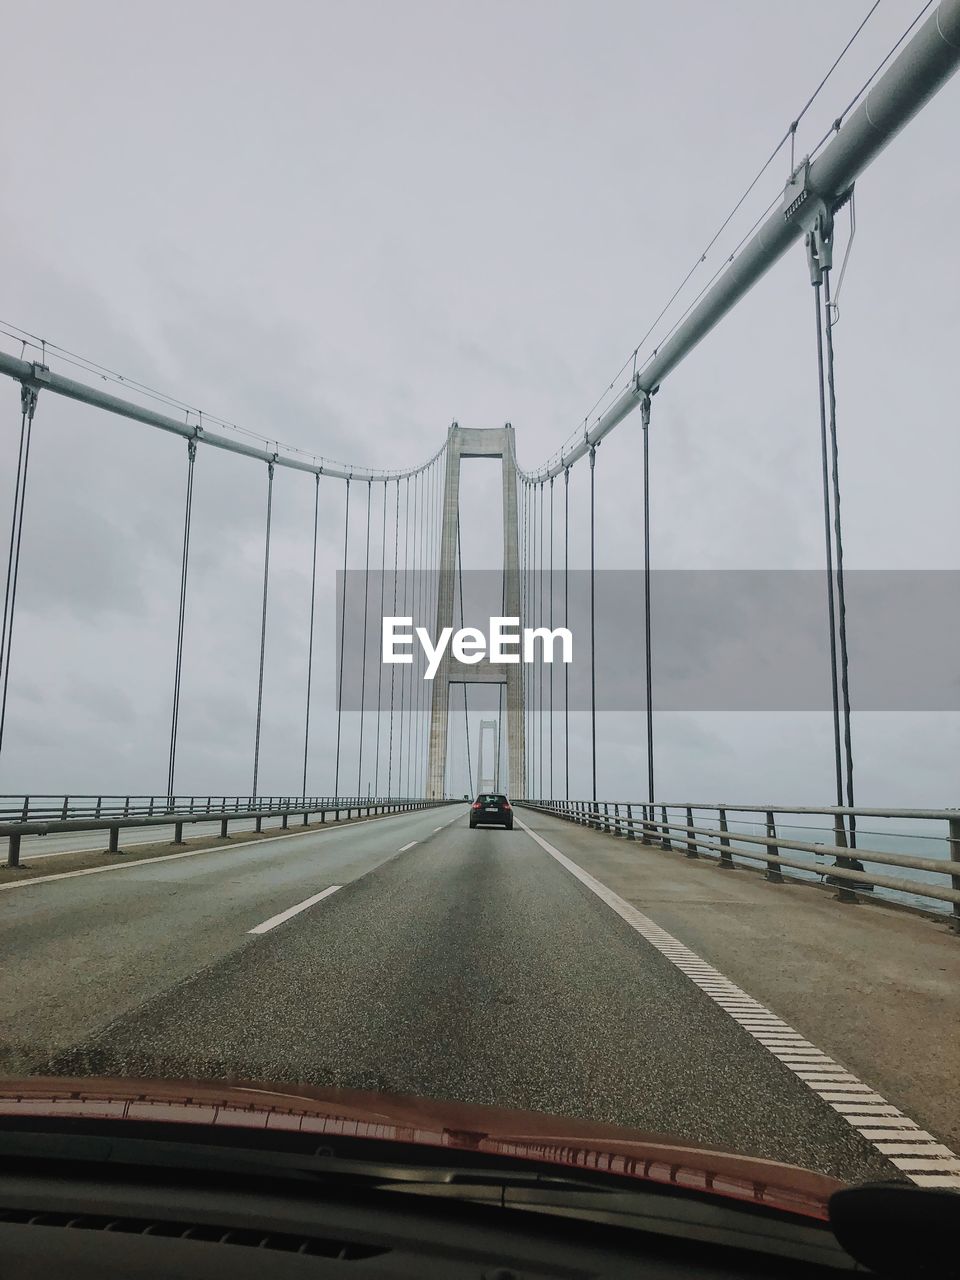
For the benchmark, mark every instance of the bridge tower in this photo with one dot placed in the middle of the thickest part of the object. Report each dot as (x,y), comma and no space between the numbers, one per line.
(473,442)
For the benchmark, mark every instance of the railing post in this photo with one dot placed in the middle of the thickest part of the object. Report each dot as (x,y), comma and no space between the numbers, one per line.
(223,828)
(844,893)
(692,849)
(665,842)
(606,817)
(114,844)
(13,849)
(284,821)
(645,828)
(306,818)
(955,857)
(66,808)
(258,825)
(99,803)
(178,833)
(774,874)
(631,834)
(150,809)
(616,819)
(726,859)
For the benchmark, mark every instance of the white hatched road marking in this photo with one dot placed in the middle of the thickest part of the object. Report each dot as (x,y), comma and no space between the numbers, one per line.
(925,1161)
(293,911)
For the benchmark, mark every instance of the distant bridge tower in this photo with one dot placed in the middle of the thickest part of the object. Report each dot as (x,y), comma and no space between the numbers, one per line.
(464,442)
(489,779)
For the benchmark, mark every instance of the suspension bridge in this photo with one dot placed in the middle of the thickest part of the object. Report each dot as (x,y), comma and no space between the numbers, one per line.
(365,937)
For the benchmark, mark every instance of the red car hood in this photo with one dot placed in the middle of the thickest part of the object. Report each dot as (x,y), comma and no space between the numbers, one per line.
(557,1140)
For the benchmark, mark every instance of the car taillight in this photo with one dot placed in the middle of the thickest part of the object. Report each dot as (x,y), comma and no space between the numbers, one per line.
(506,804)
(475,805)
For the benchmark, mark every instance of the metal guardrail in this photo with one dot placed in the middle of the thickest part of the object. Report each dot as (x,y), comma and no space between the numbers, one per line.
(673,826)
(44,815)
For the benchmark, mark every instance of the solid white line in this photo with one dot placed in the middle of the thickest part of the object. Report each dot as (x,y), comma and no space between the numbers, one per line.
(194,853)
(875,1120)
(405,847)
(436,829)
(293,911)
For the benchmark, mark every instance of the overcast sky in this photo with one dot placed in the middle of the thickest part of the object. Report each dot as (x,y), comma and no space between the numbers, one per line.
(343,225)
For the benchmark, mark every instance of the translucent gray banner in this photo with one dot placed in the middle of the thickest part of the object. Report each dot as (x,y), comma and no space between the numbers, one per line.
(722,640)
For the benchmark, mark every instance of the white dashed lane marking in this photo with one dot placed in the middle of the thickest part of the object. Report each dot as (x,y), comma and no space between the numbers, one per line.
(917,1154)
(403,848)
(293,911)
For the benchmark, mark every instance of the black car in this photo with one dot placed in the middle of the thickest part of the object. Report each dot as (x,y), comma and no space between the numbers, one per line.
(491,808)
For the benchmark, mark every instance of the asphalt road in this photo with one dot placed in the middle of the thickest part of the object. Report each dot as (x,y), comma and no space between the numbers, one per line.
(470,965)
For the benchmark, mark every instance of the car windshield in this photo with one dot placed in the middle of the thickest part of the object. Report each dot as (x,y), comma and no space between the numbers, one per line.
(479,510)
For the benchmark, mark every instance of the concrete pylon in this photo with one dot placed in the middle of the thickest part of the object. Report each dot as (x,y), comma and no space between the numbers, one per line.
(473,442)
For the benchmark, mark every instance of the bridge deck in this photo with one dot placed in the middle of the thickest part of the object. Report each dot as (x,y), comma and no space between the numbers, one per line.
(478,965)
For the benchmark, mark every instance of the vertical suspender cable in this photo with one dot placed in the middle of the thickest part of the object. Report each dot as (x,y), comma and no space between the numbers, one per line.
(343,624)
(313,607)
(828,541)
(566,623)
(363,655)
(551,642)
(393,668)
(413,612)
(185,561)
(645,411)
(540,791)
(838,540)
(593,632)
(263,626)
(421,685)
(383,557)
(403,607)
(466,709)
(28,405)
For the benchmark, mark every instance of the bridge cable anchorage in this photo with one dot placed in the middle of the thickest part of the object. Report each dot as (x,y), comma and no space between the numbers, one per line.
(818,240)
(383,565)
(263,627)
(393,668)
(566,623)
(343,625)
(466,708)
(648,648)
(181,619)
(593,628)
(363,642)
(313,602)
(28,406)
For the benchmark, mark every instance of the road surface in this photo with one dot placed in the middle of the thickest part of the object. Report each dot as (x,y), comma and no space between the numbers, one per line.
(430,960)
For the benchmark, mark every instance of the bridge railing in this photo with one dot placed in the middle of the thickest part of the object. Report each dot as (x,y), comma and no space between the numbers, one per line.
(45,815)
(732,834)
